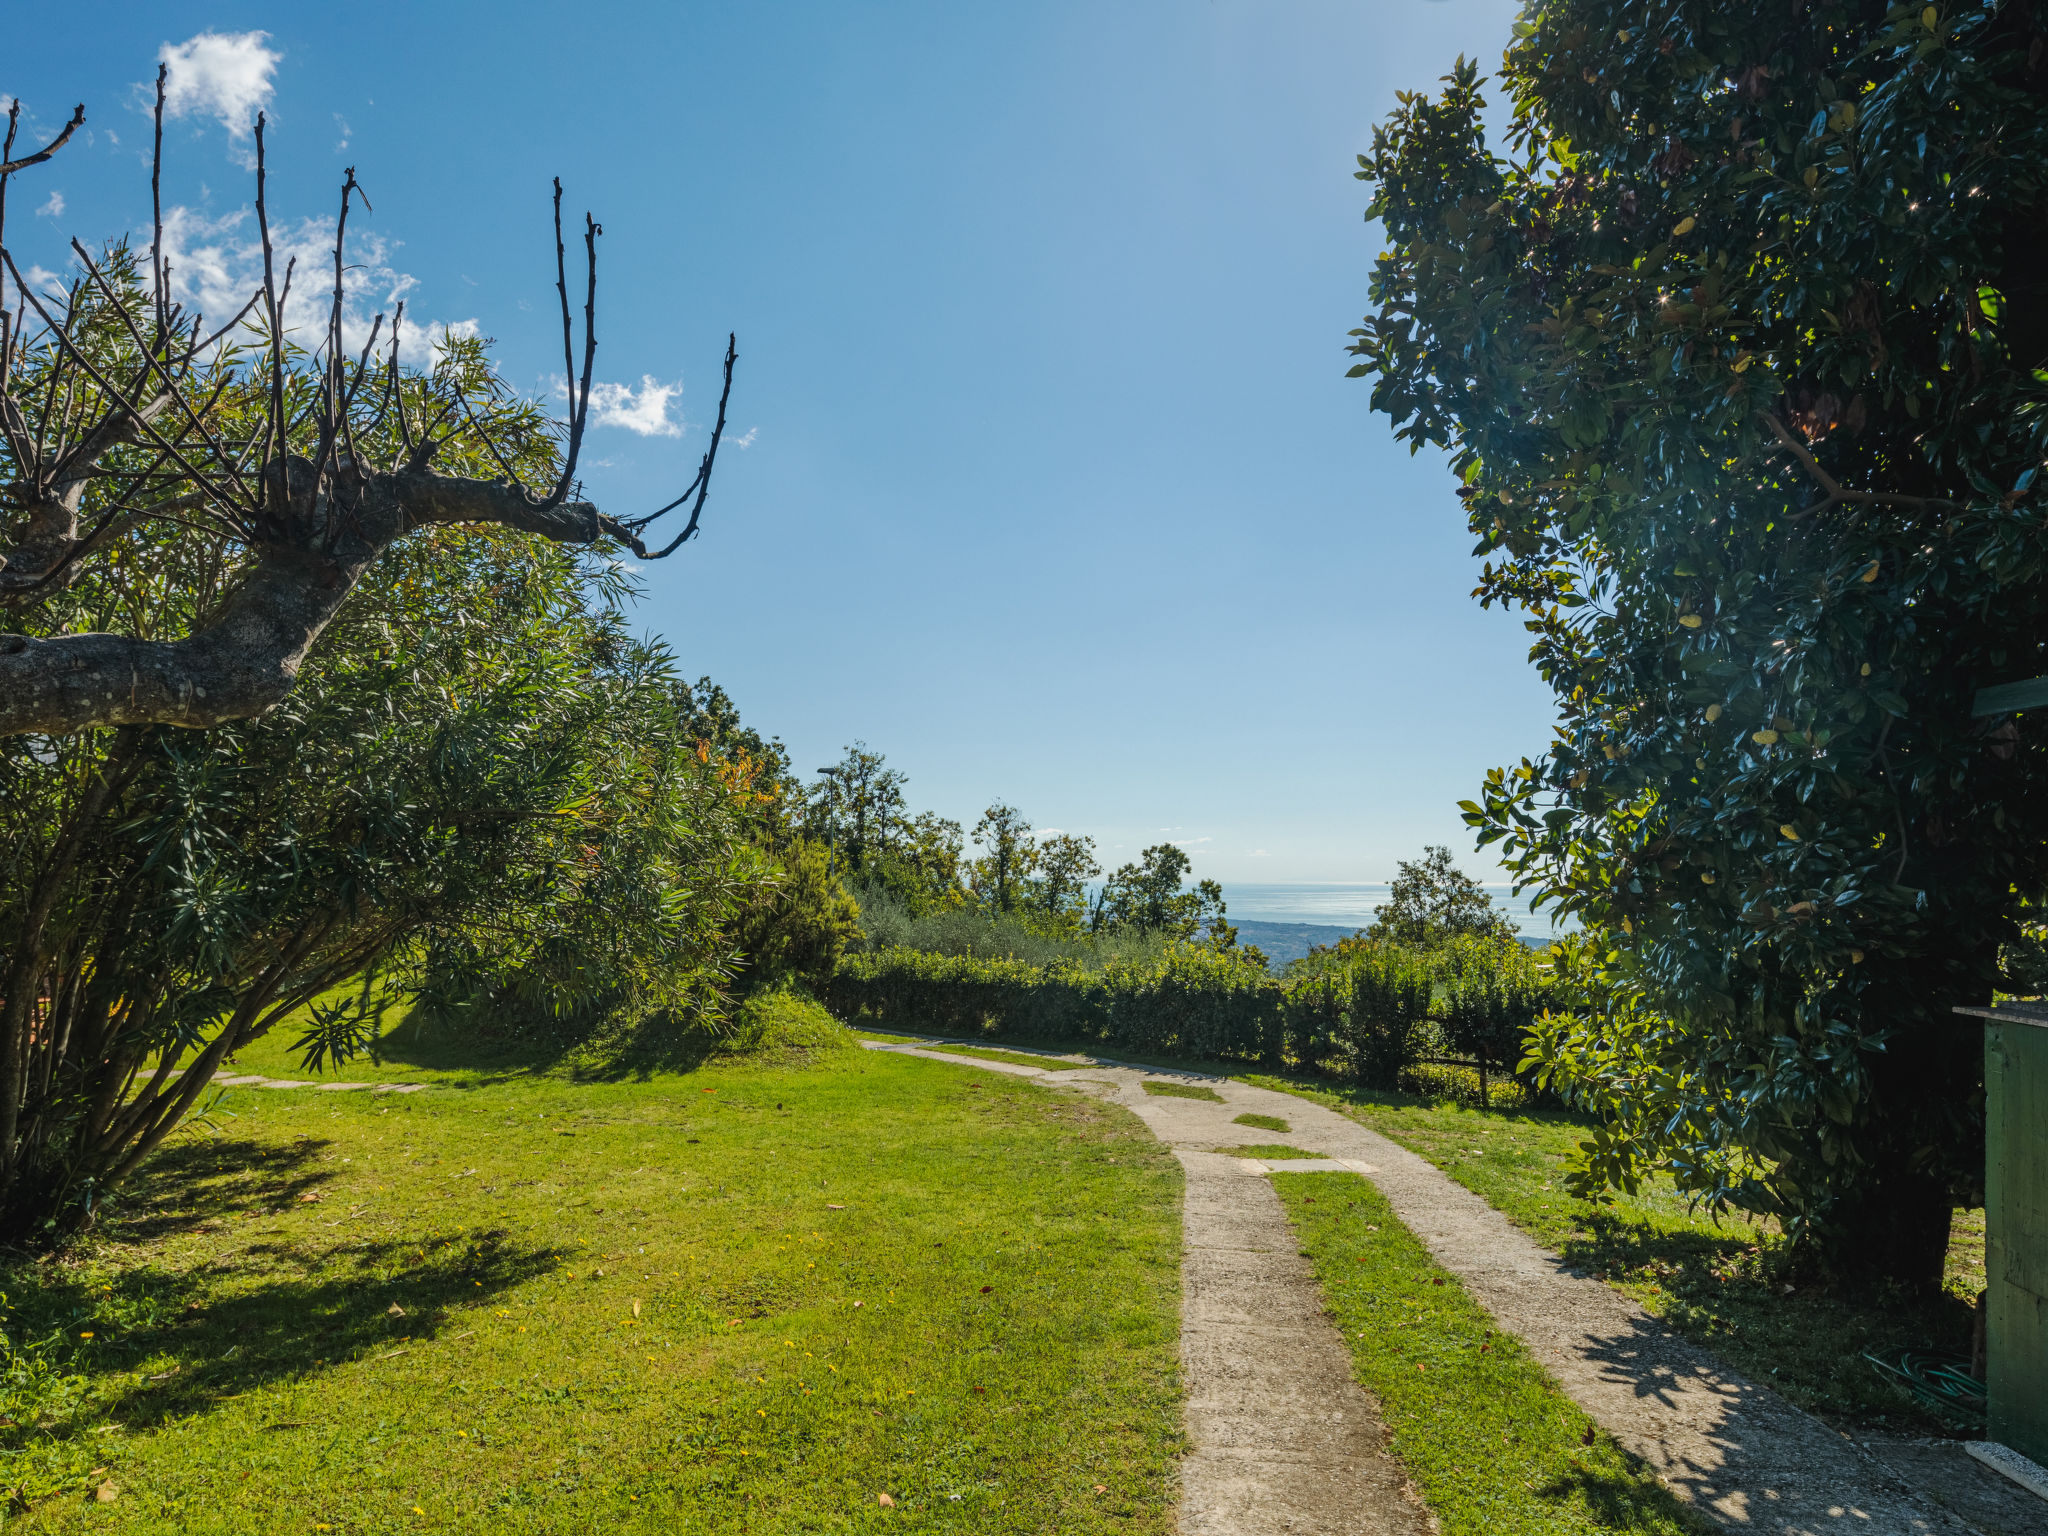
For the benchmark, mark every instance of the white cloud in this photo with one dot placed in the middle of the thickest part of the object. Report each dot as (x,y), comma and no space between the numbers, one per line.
(42,282)
(643,410)
(1260,853)
(342,123)
(217,263)
(748,440)
(53,207)
(222,74)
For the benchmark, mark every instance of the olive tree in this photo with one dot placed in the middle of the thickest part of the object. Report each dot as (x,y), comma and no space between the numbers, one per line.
(308,473)
(1739,348)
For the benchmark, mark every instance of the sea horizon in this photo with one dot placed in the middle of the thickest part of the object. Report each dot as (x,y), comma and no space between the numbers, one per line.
(1344,904)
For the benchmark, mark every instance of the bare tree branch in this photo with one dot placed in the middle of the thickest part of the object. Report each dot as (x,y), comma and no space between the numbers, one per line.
(271,461)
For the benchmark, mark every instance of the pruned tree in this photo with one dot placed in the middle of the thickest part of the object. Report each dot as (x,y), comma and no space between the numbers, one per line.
(123,414)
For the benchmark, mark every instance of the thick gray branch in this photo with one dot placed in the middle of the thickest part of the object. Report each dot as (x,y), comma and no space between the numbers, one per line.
(245,661)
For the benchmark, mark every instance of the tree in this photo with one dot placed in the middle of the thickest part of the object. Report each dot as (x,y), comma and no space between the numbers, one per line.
(1065,863)
(1146,898)
(478,789)
(922,866)
(124,419)
(998,878)
(855,807)
(1432,901)
(1738,353)
(757,767)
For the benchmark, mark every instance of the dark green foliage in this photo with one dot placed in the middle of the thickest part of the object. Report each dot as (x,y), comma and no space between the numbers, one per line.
(1366,1006)
(1362,1012)
(796,928)
(1432,901)
(1739,357)
(1146,897)
(1195,1001)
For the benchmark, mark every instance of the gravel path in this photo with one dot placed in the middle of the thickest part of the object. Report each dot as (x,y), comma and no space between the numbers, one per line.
(1738,1453)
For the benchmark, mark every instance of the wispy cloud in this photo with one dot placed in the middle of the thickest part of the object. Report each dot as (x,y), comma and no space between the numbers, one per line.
(226,75)
(52,207)
(747,441)
(1260,853)
(341,123)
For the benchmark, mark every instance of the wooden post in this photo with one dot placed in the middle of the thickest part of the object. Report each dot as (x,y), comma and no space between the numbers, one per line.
(2016,1224)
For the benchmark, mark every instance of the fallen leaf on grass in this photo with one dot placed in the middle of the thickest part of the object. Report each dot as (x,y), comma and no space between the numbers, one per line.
(106,1493)
(881,1498)
(394,1310)
(1099,1488)
(636,1306)
(311,1197)
(835,1207)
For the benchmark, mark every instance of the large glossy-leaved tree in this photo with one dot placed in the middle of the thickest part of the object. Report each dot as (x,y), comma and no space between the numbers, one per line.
(1737,344)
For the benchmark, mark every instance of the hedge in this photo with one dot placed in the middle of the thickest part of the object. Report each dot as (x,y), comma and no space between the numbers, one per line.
(1363,1012)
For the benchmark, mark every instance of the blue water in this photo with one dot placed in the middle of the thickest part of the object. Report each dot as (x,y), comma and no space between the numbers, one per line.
(1341,906)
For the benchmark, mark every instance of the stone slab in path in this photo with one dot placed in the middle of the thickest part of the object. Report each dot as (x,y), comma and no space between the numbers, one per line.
(1735,1451)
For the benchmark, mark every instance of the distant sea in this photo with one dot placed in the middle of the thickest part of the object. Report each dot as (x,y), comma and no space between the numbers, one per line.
(1345,907)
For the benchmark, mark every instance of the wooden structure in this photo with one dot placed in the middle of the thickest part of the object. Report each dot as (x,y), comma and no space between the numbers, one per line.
(2016,1224)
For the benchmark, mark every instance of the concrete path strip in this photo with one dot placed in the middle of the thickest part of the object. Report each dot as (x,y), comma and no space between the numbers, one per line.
(1283,1439)
(1736,1452)
(256,1080)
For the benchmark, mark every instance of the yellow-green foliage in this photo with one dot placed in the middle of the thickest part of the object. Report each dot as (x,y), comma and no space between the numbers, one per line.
(784,1019)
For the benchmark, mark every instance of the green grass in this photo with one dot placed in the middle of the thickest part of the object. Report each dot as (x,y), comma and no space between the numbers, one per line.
(1183,1091)
(1014,1058)
(750,1297)
(1269,1150)
(1722,1286)
(1492,1443)
(1264,1123)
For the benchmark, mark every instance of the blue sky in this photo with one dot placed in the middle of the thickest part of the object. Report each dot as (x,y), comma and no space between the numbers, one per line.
(1053,490)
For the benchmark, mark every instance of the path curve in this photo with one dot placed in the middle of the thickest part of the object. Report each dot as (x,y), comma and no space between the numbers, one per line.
(1737,1452)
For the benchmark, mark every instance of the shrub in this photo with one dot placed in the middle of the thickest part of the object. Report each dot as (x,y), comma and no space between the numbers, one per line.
(1193,1000)
(1363,1011)
(797,928)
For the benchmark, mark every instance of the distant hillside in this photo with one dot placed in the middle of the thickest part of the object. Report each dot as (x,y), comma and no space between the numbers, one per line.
(1282,942)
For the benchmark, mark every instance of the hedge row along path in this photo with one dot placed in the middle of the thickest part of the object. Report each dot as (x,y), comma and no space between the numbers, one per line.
(1284,1440)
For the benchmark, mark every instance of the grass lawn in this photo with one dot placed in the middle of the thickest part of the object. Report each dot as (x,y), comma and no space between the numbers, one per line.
(1271,1151)
(752,1297)
(1717,1285)
(1492,1443)
(1183,1091)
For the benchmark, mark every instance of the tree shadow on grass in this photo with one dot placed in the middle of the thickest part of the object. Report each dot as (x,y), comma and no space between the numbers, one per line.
(1734,1292)
(636,1052)
(141,1343)
(1620,1501)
